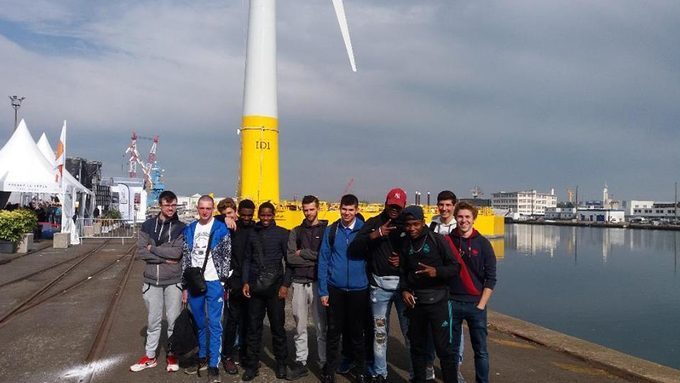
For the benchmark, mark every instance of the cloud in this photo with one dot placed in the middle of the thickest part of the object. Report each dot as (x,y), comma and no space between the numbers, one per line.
(448,94)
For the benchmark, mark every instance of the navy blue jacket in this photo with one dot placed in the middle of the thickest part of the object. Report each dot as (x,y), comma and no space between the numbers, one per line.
(268,242)
(479,260)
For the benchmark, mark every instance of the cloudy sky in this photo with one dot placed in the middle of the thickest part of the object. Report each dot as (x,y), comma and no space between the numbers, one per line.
(448,94)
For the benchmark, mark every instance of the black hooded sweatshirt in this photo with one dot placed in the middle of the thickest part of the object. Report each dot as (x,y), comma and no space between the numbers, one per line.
(377,251)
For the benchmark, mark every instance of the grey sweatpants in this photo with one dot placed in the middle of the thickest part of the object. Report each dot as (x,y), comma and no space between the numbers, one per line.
(155,298)
(305,299)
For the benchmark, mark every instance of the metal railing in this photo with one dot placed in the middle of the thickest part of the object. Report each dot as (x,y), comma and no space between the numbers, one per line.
(106,228)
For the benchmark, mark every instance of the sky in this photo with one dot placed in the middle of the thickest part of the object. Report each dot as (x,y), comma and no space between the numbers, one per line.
(448,94)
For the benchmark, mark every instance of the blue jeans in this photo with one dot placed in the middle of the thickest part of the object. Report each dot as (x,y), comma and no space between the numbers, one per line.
(381,305)
(212,303)
(476,321)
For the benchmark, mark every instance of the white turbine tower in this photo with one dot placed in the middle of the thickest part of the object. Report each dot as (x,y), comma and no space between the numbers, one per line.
(259,178)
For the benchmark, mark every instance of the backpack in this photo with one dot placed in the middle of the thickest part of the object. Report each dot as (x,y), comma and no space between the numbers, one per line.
(332,232)
(184,337)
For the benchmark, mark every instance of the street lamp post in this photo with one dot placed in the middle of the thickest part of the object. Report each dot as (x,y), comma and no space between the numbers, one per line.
(16,104)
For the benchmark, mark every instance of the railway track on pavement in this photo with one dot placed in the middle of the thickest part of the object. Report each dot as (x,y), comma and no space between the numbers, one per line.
(40,296)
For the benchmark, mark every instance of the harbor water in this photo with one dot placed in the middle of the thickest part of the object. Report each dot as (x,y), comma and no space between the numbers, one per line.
(619,288)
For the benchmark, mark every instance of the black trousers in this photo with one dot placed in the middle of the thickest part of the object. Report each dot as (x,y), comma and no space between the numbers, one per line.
(236,318)
(257,308)
(435,318)
(369,332)
(344,322)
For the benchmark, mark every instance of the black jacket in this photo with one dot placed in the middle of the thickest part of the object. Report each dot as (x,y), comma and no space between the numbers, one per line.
(379,250)
(306,238)
(239,241)
(430,249)
(268,243)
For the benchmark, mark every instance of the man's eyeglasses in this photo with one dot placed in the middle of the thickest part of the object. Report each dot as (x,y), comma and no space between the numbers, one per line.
(172,206)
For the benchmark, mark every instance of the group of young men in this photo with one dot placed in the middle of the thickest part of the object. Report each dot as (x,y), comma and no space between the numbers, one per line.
(347,274)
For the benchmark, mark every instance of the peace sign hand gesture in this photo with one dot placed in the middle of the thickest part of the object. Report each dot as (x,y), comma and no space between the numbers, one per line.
(427,270)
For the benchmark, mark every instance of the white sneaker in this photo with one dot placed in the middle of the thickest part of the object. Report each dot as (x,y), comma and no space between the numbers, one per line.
(429,373)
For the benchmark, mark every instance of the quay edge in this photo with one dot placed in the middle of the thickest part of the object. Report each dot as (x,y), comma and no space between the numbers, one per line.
(615,361)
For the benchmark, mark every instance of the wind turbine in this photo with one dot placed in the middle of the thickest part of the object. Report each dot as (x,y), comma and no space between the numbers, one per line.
(259,178)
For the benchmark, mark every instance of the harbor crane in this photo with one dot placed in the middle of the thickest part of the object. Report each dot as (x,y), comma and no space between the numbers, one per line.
(135,159)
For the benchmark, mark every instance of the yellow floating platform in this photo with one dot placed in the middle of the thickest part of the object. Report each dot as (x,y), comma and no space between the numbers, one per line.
(289,214)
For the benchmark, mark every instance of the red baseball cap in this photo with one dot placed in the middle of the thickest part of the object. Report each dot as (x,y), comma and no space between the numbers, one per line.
(396,196)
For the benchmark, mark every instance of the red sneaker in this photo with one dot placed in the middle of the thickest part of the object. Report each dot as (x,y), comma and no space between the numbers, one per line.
(143,363)
(173,365)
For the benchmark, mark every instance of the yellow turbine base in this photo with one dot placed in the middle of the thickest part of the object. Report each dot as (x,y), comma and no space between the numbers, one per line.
(259,179)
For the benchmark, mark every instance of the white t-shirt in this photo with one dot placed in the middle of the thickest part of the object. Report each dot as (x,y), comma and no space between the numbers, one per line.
(443,228)
(201,237)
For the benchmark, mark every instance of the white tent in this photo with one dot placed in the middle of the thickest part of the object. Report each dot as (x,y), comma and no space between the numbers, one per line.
(67,195)
(23,167)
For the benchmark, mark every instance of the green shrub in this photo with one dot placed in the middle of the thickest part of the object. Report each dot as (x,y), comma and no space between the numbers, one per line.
(13,224)
(27,218)
(111,214)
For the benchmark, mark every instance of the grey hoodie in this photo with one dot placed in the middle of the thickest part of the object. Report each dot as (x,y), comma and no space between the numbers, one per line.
(166,240)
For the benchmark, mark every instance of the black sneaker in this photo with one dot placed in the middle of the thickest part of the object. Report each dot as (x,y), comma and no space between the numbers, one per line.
(249,375)
(379,379)
(298,371)
(214,375)
(281,370)
(325,378)
(363,379)
(200,366)
(345,366)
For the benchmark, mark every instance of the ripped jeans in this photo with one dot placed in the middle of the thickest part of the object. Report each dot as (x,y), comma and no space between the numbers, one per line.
(381,305)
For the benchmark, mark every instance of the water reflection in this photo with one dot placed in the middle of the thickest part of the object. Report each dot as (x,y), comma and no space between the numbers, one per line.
(532,239)
(616,287)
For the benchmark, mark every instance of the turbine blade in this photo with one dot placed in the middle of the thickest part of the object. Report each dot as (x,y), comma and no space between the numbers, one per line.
(344,29)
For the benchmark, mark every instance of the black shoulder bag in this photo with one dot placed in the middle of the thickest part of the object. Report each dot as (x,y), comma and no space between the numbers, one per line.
(193,276)
(268,277)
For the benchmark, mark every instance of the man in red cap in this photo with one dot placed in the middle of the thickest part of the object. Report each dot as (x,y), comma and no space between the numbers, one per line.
(379,240)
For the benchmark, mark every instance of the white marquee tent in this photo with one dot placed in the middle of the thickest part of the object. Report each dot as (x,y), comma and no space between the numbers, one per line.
(26,168)
(23,167)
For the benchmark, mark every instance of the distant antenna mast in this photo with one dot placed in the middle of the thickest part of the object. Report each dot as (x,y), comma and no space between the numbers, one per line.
(571,195)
